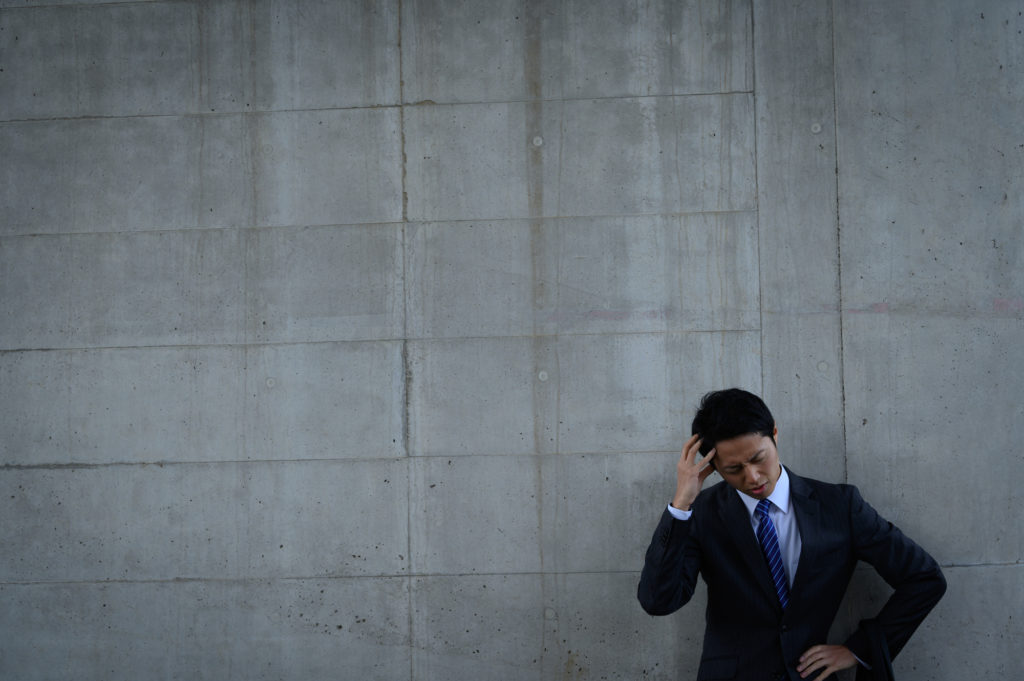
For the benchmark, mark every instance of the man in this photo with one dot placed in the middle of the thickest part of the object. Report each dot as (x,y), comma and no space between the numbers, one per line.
(777,552)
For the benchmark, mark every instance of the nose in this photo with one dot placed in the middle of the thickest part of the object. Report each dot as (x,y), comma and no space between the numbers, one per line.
(750,475)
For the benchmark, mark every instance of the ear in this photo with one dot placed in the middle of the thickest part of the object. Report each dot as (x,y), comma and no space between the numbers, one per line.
(775,433)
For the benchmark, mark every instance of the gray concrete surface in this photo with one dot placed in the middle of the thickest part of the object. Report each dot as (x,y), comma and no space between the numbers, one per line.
(358,339)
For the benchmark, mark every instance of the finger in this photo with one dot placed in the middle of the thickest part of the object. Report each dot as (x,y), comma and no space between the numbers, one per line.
(825,674)
(810,665)
(809,653)
(707,468)
(809,669)
(689,446)
(827,669)
(693,444)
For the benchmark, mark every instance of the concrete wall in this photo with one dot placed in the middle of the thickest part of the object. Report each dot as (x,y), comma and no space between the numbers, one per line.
(358,339)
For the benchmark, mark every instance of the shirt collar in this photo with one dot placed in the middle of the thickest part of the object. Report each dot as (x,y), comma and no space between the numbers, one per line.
(779,495)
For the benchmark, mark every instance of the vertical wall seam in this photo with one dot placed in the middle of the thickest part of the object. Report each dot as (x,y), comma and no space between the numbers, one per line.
(200,101)
(533,124)
(200,87)
(250,239)
(406,369)
(839,252)
(757,194)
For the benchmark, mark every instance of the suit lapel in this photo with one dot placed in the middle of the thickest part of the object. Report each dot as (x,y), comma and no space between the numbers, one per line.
(737,523)
(808,522)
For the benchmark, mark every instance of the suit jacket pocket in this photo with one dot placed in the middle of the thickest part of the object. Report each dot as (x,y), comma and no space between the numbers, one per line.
(714,668)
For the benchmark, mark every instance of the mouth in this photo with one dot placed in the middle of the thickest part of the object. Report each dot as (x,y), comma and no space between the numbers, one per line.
(758,490)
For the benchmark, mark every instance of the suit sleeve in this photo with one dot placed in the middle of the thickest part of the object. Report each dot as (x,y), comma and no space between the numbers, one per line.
(914,575)
(670,567)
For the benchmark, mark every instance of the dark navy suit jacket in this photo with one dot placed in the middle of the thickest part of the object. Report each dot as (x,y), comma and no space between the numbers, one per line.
(748,637)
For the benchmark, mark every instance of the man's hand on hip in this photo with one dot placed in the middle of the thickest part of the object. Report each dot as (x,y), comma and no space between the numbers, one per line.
(827,657)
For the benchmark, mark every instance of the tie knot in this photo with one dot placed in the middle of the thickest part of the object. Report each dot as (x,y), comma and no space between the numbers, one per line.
(762,507)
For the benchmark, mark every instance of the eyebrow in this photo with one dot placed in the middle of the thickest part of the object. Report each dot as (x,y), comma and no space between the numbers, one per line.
(756,454)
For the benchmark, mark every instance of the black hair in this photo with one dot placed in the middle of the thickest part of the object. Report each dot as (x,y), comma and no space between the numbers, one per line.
(725,414)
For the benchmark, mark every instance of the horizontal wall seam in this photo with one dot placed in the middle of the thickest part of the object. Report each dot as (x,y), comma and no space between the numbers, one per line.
(372,107)
(390,339)
(366,459)
(402,575)
(305,578)
(344,225)
(1008,563)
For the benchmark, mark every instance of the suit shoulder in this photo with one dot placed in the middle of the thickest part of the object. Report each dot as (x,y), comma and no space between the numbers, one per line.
(825,490)
(711,497)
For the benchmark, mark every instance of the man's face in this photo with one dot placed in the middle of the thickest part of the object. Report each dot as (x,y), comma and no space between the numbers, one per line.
(750,463)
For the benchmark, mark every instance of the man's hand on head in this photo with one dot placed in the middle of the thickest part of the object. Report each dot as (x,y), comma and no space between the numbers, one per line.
(691,472)
(828,658)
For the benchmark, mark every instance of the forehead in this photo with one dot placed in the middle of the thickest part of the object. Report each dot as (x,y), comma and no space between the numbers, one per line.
(741,449)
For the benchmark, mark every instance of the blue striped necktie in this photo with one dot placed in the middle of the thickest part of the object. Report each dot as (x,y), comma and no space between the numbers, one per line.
(770,545)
